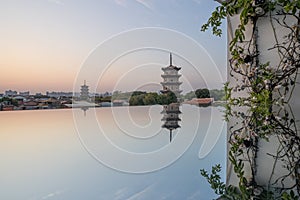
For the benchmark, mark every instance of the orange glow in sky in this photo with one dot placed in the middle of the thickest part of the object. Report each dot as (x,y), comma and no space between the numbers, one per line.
(44,43)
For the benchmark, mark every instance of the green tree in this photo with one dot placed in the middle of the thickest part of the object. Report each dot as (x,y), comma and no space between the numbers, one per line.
(142,98)
(150,98)
(115,95)
(10,100)
(167,98)
(190,95)
(202,93)
(137,100)
(102,99)
(136,93)
(171,97)
(218,95)
(14,102)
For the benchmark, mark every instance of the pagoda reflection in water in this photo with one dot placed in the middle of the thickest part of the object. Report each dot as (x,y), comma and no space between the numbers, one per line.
(171,117)
(84,109)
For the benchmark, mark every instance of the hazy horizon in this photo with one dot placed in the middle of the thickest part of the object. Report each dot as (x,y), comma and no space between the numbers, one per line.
(46,43)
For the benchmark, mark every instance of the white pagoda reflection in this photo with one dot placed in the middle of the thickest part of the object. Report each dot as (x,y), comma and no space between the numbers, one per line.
(171,118)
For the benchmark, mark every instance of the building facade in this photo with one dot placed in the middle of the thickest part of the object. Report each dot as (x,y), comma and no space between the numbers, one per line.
(59,94)
(27,93)
(11,93)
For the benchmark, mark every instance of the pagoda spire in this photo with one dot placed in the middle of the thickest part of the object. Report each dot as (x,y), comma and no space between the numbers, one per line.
(84,82)
(170,59)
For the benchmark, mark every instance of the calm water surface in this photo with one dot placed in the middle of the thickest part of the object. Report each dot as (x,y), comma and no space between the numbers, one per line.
(109,153)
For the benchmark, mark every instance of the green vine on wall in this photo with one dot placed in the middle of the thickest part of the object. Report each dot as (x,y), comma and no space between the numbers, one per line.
(261,93)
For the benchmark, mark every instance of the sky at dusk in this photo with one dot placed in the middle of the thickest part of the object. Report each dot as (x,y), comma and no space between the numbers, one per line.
(45,44)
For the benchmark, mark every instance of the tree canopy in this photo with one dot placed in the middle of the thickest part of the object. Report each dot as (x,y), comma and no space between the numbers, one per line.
(202,93)
(152,98)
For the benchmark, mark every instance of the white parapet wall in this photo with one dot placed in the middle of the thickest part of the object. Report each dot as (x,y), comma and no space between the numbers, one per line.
(268,34)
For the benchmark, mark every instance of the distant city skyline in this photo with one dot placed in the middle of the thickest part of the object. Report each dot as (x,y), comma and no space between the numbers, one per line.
(44,43)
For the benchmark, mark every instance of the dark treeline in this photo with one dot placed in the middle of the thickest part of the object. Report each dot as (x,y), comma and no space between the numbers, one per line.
(102,99)
(151,98)
(9,101)
(218,95)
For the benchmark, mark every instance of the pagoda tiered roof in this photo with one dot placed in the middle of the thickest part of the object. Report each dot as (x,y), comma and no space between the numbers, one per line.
(171,126)
(171,83)
(171,111)
(171,67)
(168,118)
(170,75)
(174,91)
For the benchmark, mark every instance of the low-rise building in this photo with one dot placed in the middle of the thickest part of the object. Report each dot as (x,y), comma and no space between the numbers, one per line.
(20,100)
(59,94)
(200,101)
(25,94)
(10,93)
(38,94)
(119,102)
(30,105)
(6,107)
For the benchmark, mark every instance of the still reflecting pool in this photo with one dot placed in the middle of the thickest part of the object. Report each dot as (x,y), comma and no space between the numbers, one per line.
(147,152)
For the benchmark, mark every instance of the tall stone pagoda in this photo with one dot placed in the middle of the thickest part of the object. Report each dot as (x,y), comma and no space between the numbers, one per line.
(171,117)
(171,79)
(84,92)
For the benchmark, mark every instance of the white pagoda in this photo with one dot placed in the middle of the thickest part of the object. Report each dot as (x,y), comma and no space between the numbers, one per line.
(171,79)
(84,92)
